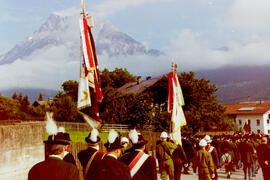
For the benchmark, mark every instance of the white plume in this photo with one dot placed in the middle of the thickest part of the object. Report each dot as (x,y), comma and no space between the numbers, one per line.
(94,134)
(61,129)
(112,136)
(51,127)
(134,137)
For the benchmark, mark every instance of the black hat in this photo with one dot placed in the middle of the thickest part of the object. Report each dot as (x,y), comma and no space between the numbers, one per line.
(59,138)
(93,137)
(114,141)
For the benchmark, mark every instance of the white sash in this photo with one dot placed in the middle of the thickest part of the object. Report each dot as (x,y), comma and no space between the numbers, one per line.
(138,165)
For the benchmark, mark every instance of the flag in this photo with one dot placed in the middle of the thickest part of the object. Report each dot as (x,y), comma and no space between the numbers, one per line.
(247,127)
(175,103)
(89,92)
(83,94)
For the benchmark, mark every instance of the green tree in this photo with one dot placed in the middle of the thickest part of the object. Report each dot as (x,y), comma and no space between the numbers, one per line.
(202,110)
(116,78)
(20,98)
(25,104)
(70,88)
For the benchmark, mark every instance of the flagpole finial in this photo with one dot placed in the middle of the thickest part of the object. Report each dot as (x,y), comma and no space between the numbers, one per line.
(173,66)
(83,8)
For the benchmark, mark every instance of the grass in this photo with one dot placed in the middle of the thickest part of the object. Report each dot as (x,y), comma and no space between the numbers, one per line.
(77,136)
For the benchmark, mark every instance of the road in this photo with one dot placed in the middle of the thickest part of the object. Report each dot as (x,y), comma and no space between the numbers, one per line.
(239,174)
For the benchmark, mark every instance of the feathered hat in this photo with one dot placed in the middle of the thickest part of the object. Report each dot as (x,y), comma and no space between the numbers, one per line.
(93,137)
(114,141)
(56,136)
(137,139)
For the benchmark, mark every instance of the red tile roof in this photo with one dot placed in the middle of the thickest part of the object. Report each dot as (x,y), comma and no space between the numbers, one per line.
(247,108)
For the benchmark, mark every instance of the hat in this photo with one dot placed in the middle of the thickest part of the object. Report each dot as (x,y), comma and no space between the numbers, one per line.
(59,138)
(114,141)
(93,137)
(137,139)
(124,140)
(207,139)
(164,135)
(202,143)
(56,136)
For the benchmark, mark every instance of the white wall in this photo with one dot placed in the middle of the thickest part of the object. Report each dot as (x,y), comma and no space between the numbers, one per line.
(253,122)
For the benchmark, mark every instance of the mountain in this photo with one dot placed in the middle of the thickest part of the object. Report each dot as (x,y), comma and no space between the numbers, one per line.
(63,29)
(241,83)
(32,93)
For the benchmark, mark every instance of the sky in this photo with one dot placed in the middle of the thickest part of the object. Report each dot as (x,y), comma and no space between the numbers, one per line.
(198,34)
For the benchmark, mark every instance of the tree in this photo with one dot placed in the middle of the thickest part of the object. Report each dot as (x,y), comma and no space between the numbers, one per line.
(70,88)
(41,97)
(202,110)
(15,96)
(20,98)
(116,78)
(25,104)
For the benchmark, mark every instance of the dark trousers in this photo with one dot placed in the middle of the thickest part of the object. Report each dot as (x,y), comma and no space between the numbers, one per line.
(265,171)
(177,171)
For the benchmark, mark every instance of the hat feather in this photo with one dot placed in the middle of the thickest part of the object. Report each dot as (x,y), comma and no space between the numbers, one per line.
(61,129)
(94,134)
(112,136)
(134,137)
(51,127)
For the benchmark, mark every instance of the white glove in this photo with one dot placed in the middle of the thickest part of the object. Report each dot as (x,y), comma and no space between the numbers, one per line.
(186,165)
(194,174)
(213,176)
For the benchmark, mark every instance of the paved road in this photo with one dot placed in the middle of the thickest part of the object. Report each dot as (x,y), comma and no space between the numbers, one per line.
(239,174)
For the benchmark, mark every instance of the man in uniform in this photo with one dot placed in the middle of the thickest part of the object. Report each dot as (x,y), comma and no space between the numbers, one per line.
(141,165)
(110,168)
(204,163)
(164,155)
(263,152)
(54,168)
(212,150)
(91,155)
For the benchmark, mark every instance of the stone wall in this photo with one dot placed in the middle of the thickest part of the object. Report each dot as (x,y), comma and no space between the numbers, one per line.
(21,146)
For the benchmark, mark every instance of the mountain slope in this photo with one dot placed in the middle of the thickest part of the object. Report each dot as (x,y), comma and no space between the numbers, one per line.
(62,29)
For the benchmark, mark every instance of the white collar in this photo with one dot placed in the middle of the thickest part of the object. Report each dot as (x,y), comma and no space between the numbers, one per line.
(65,153)
(138,150)
(56,156)
(112,155)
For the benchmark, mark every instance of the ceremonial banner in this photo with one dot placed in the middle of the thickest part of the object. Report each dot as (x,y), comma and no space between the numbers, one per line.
(83,94)
(247,127)
(89,93)
(175,103)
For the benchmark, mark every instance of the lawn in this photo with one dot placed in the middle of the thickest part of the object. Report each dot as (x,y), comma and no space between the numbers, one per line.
(77,136)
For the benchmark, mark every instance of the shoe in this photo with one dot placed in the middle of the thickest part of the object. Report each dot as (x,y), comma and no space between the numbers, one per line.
(228,176)
(186,173)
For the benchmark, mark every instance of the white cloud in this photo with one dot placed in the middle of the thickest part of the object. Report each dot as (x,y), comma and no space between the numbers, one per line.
(250,15)
(47,68)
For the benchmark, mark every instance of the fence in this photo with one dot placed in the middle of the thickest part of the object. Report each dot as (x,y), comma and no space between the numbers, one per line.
(84,127)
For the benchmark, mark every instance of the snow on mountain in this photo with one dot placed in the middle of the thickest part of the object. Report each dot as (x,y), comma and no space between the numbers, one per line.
(63,29)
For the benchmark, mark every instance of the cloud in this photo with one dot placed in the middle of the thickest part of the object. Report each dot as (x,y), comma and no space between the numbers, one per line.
(46,68)
(110,7)
(250,15)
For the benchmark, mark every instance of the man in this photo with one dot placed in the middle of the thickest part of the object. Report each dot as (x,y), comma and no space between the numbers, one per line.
(263,152)
(204,163)
(141,165)
(109,168)
(90,156)
(54,168)
(164,155)
(212,150)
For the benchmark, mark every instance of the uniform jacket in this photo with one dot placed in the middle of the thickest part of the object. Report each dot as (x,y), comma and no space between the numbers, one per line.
(204,162)
(263,152)
(84,156)
(53,169)
(164,151)
(110,168)
(246,151)
(69,158)
(214,155)
(147,171)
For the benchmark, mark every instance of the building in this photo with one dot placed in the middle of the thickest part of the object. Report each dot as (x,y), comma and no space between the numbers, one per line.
(256,113)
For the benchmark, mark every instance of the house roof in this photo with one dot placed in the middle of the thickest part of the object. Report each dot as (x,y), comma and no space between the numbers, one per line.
(257,107)
(135,87)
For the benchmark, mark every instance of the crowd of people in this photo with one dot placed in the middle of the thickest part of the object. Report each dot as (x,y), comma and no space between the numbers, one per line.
(201,156)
